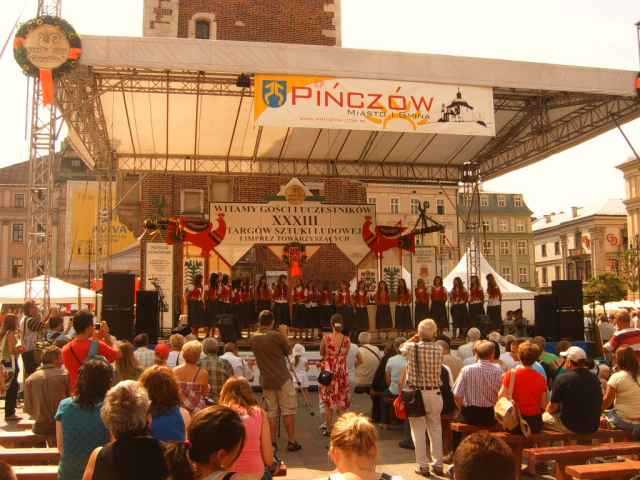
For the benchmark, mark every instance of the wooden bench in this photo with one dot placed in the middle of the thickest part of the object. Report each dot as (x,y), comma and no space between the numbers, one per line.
(21,438)
(608,471)
(30,456)
(38,472)
(25,424)
(576,454)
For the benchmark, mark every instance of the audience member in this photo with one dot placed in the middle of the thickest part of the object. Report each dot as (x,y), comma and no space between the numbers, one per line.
(482,456)
(169,420)
(576,397)
(299,367)
(271,349)
(6,472)
(510,357)
(546,358)
(392,374)
(55,327)
(238,364)
(370,356)
(529,388)
(126,367)
(144,355)
(218,369)
(497,338)
(133,453)
(9,357)
(379,385)
(29,332)
(79,428)
(466,350)
(606,329)
(44,390)
(624,334)
(623,393)
(162,352)
(257,451)
(193,380)
(176,342)
(353,361)
(477,387)
(452,361)
(424,362)
(86,344)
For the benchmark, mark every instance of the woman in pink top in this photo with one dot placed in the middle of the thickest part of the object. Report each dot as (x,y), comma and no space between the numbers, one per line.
(257,451)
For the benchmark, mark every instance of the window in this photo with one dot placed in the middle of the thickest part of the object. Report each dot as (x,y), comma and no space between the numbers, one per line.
(17,232)
(395,205)
(17,268)
(484,201)
(543,250)
(517,201)
(523,275)
(558,272)
(503,225)
(442,239)
(502,201)
(543,276)
(415,206)
(192,201)
(520,228)
(18,200)
(440,206)
(487,248)
(522,247)
(556,248)
(203,29)
(220,190)
(76,163)
(371,200)
(505,247)
(419,242)
(506,273)
(486,226)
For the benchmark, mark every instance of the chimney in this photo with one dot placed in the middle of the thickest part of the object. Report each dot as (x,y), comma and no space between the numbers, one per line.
(574,211)
(547,218)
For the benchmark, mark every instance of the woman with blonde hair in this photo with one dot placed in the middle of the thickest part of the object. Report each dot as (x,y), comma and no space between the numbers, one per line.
(257,451)
(176,342)
(127,367)
(193,381)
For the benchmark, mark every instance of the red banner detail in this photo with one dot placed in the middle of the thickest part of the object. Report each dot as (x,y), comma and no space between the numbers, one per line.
(378,242)
(47,86)
(74,53)
(199,233)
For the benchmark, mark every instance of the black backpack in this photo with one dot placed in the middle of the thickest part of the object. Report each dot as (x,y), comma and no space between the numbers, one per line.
(448,403)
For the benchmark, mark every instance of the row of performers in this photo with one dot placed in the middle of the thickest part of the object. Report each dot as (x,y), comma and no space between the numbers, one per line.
(313,306)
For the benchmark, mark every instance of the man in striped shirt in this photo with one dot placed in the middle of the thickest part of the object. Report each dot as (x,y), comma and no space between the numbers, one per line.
(476,389)
(625,334)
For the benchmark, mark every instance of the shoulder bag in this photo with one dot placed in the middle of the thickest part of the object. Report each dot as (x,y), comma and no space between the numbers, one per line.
(411,397)
(506,411)
(325,377)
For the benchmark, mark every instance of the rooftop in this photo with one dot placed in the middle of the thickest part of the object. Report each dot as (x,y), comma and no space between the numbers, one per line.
(16,174)
(611,207)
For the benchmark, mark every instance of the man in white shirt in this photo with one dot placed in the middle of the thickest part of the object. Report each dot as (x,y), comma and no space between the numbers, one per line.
(238,364)
(370,356)
(146,358)
(465,351)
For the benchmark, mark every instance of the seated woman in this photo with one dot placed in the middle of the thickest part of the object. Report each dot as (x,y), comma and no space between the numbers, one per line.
(193,381)
(79,428)
(168,419)
(133,453)
(529,387)
(257,451)
(623,393)
(354,449)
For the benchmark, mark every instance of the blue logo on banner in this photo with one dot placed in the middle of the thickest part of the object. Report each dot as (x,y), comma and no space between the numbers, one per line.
(274,92)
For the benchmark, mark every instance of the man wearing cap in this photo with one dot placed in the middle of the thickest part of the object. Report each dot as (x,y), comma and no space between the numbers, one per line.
(576,397)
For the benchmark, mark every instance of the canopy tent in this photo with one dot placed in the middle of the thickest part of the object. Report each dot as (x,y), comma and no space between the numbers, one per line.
(513,296)
(59,292)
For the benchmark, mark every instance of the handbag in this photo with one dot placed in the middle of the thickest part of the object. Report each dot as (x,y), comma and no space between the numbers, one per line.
(400,408)
(325,377)
(506,412)
(412,398)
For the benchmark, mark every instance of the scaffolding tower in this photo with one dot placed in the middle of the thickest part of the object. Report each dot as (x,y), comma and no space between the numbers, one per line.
(470,182)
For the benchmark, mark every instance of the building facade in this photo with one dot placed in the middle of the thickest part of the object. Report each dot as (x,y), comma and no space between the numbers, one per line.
(580,244)
(506,237)
(13,222)
(631,172)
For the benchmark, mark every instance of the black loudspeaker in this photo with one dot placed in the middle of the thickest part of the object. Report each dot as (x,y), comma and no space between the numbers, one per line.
(148,314)
(118,292)
(568,293)
(546,320)
(570,324)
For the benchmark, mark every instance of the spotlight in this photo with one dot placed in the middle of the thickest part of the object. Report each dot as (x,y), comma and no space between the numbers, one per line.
(243,81)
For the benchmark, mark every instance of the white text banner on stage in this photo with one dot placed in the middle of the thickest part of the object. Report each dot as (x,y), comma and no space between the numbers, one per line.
(158,275)
(359,104)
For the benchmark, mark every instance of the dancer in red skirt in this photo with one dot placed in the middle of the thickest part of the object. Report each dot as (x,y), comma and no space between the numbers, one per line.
(422,301)
(344,305)
(476,302)
(459,312)
(212,307)
(327,307)
(281,302)
(360,302)
(312,304)
(299,321)
(195,307)
(263,296)
(248,305)
(439,297)
(383,312)
(494,303)
(403,308)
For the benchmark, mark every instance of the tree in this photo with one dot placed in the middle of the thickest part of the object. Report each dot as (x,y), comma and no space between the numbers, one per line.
(605,288)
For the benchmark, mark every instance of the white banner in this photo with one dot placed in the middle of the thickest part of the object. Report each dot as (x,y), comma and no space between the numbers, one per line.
(158,275)
(358,104)
(424,264)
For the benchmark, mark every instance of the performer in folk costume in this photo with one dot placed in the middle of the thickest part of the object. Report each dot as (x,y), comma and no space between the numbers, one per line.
(236,307)
(224,295)
(312,305)
(344,305)
(459,312)
(494,303)
(403,307)
(421,307)
(476,301)
(247,302)
(281,302)
(263,296)
(439,297)
(383,312)
(193,297)
(299,320)
(360,302)
(211,304)
(327,307)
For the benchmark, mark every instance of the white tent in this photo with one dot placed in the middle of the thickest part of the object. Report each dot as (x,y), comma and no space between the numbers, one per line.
(59,292)
(513,296)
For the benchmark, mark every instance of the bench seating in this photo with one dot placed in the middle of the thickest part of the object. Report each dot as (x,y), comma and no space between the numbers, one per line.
(38,472)
(576,454)
(30,456)
(25,424)
(608,471)
(21,438)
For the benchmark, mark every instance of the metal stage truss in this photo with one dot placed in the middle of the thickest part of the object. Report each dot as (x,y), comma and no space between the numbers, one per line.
(531,125)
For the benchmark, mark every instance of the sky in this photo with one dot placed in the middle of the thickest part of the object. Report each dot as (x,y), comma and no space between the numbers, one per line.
(591,33)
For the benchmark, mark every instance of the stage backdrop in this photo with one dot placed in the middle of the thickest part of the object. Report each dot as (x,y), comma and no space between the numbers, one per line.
(158,271)
(293,216)
(359,104)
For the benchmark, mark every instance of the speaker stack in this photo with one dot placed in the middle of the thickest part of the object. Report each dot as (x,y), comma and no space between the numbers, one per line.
(560,315)
(118,294)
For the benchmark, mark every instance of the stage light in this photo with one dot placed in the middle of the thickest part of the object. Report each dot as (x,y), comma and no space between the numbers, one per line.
(243,81)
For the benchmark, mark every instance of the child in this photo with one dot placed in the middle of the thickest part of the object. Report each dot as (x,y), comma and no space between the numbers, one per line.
(299,367)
